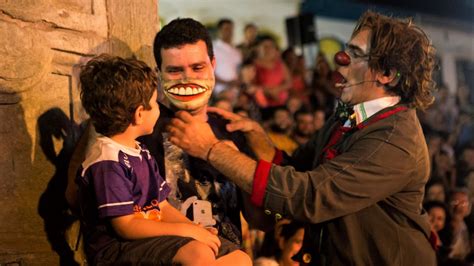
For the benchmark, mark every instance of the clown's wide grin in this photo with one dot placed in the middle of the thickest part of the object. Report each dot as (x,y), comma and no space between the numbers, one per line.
(185,92)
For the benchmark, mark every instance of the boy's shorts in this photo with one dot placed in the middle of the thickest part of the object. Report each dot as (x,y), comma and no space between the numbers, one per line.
(151,251)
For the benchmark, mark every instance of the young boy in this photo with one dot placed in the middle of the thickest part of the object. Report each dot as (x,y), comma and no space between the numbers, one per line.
(125,214)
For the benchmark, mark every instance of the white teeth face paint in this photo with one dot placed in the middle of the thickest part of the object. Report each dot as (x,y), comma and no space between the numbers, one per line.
(188,94)
(189,91)
(184,92)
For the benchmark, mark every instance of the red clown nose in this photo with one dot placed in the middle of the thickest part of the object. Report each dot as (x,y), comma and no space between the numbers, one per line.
(342,58)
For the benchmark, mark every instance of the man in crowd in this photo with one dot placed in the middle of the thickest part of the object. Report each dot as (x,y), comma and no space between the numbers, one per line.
(228,57)
(249,44)
(304,126)
(279,130)
(361,178)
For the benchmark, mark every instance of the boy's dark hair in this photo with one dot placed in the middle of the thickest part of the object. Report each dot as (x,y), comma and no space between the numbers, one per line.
(112,88)
(179,32)
(223,21)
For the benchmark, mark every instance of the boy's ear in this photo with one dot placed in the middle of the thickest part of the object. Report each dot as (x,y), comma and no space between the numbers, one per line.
(138,117)
(389,78)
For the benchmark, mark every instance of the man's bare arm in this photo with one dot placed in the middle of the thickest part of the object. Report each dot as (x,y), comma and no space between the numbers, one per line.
(233,164)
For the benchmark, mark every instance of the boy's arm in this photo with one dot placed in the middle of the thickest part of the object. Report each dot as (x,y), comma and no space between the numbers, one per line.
(171,215)
(133,227)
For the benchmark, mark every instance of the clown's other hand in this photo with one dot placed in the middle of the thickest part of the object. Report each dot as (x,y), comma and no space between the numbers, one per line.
(257,139)
(237,122)
(193,136)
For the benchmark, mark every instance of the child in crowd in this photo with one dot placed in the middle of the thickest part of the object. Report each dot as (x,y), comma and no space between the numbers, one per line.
(440,221)
(125,215)
(281,244)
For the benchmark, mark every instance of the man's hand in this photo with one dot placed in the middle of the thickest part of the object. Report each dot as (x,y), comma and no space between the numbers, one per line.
(193,136)
(257,139)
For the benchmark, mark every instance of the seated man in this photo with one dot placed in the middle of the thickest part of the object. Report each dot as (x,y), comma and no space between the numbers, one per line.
(184,55)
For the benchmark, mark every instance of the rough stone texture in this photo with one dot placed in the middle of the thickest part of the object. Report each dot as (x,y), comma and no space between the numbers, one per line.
(43,43)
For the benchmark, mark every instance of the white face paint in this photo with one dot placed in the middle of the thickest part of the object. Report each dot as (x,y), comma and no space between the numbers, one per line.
(358,80)
(187,76)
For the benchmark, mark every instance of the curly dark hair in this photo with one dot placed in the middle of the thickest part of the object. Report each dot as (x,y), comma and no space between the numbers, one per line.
(179,32)
(112,88)
(403,46)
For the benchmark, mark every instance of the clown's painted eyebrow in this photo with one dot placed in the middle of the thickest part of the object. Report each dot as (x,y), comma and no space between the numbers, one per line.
(354,48)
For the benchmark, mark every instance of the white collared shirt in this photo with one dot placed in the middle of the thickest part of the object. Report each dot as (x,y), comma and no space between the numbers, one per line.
(228,60)
(363,111)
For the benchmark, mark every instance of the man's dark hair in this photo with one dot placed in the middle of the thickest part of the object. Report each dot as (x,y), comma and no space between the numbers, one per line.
(249,25)
(278,109)
(403,46)
(247,62)
(266,37)
(179,32)
(223,21)
(302,111)
(112,88)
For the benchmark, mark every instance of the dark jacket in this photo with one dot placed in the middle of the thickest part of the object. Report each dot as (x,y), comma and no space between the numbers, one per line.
(368,199)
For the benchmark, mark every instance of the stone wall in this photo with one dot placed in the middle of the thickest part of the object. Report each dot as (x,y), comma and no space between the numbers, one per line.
(41,46)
